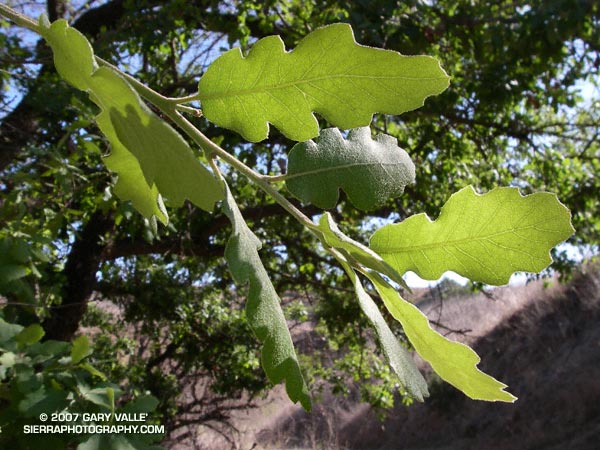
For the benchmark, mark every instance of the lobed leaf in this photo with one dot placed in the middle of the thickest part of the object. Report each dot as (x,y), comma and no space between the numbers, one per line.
(399,358)
(263,308)
(454,362)
(150,157)
(369,170)
(483,237)
(328,73)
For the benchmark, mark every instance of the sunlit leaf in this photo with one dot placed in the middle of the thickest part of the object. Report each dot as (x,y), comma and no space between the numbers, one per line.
(483,237)
(369,170)
(263,308)
(151,158)
(454,362)
(327,73)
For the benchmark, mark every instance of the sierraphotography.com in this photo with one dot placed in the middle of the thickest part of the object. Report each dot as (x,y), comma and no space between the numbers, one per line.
(93,429)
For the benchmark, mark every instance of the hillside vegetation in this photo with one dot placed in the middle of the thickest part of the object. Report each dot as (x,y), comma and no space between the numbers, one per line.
(542,339)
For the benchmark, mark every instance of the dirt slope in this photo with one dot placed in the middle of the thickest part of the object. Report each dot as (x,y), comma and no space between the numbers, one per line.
(545,344)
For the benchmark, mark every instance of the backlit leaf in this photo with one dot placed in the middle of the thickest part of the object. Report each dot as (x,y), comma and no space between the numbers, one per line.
(483,237)
(454,362)
(369,170)
(150,157)
(327,73)
(263,308)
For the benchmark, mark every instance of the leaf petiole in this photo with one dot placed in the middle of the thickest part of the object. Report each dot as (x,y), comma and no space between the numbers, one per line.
(19,18)
(196,112)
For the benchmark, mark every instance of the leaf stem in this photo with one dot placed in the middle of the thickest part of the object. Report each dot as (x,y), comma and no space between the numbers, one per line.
(171,106)
(149,94)
(186,99)
(274,178)
(193,111)
(210,148)
(19,18)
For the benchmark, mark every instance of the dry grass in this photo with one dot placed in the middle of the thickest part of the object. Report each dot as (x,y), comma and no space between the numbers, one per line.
(543,342)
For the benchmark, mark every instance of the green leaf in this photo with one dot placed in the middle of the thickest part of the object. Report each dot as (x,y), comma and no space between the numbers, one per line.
(81,349)
(362,254)
(143,404)
(49,348)
(483,237)
(164,156)
(101,396)
(263,308)
(30,335)
(12,272)
(110,394)
(150,157)
(370,170)
(399,358)
(328,73)
(8,330)
(93,371)
(43,401)
(454,362)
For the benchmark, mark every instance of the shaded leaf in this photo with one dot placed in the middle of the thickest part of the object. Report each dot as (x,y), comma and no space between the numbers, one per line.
(399,358)
(454,362)
(369,170)
(483,237)
(30,335)
(328,73)
(43,401)
(8,330)
(142,404)
(101,396)
(263,308)
(12,272)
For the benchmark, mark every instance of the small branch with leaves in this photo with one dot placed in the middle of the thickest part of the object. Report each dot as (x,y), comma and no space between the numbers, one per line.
(485,237)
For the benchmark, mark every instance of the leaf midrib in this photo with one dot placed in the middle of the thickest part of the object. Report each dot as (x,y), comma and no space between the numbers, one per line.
(452,243)
(296,83)
(337,168)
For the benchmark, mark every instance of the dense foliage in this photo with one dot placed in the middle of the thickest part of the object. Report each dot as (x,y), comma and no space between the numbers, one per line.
(513,116)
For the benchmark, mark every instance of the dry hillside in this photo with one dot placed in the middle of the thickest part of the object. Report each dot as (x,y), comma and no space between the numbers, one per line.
(544,342)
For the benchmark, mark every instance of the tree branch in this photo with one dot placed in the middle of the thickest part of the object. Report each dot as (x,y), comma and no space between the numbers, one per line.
(80,272)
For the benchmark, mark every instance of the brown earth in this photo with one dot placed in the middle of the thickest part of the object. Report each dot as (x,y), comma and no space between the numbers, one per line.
(544,342)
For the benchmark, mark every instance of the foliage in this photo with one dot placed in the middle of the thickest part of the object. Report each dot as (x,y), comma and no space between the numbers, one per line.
(512,116)
(367,169)
(485,238)
(327,73)
(55,378)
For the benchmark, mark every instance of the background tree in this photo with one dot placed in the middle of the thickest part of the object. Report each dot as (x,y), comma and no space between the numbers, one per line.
(515,115)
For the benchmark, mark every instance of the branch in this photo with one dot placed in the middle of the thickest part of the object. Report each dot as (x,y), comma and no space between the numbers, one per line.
(80,271)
